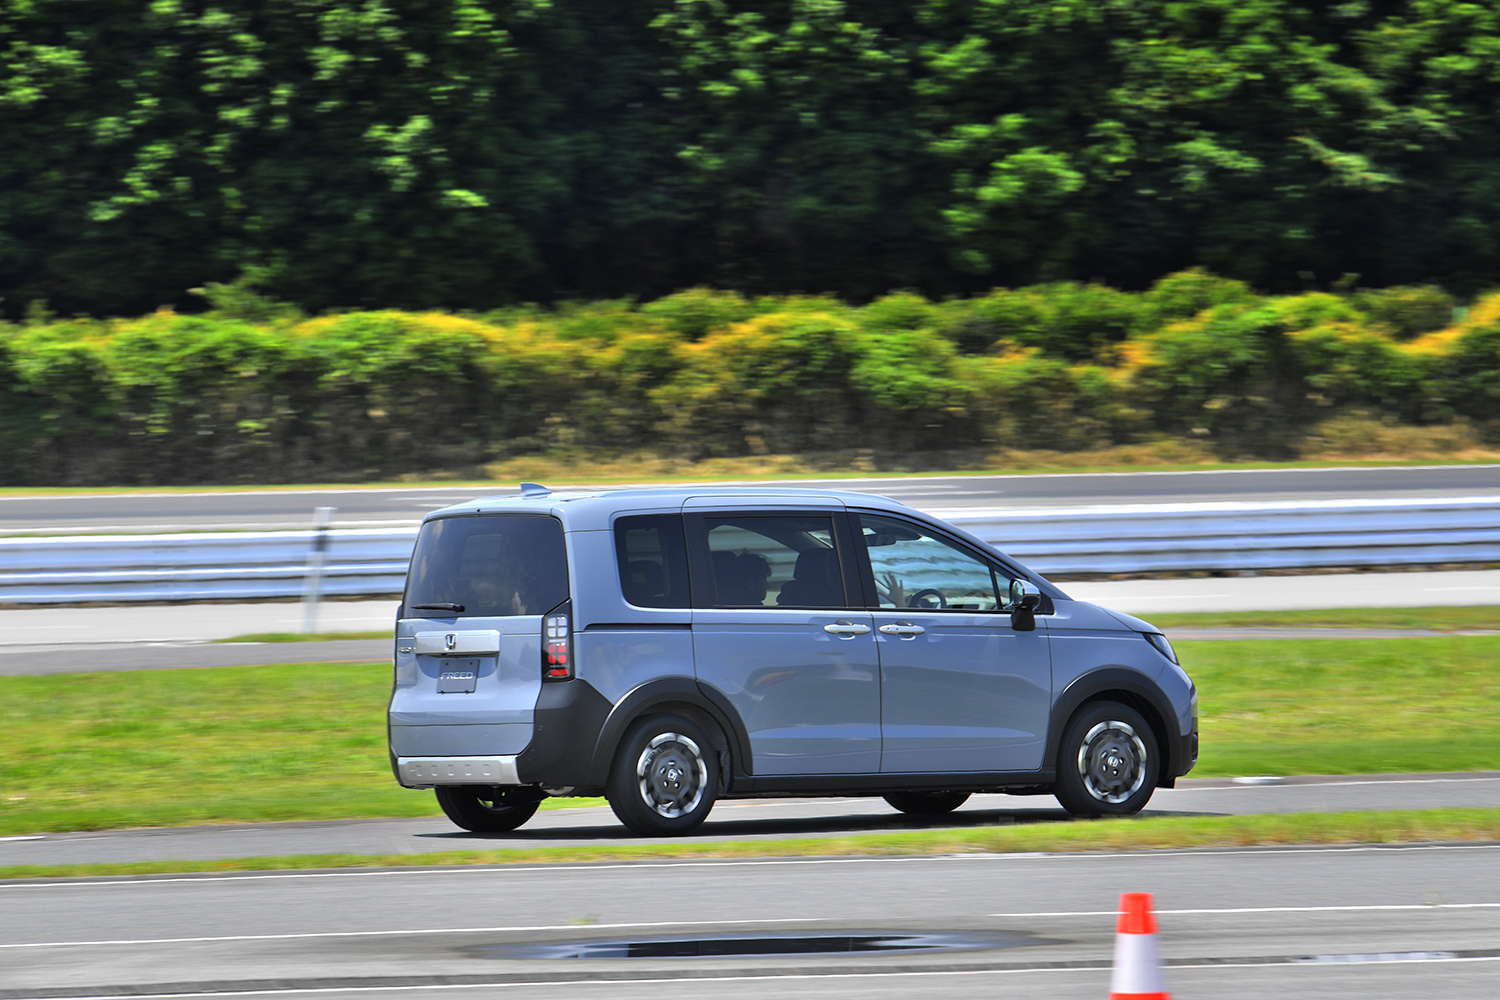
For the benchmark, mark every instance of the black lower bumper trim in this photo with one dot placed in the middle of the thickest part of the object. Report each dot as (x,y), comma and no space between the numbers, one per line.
(569,717)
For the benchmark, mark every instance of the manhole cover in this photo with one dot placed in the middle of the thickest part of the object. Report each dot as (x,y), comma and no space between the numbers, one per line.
(724,946)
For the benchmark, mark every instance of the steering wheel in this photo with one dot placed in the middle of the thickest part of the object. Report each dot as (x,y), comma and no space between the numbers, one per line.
(918,600)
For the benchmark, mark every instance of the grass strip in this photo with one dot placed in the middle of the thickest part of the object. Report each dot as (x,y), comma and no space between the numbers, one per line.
(1346,706)
(1436,619)
(1142,833)
(307,741)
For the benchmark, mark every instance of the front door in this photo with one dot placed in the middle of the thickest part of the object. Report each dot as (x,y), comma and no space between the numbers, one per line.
(961,690)
(775,631)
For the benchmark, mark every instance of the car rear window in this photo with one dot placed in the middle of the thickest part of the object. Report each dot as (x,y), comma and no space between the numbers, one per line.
(503,565)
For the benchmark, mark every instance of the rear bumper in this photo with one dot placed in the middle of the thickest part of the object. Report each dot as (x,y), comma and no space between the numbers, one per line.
(429,772)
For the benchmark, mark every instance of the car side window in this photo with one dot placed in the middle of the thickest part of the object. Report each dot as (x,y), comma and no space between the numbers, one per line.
(774,561)
(652,554)
(918,570)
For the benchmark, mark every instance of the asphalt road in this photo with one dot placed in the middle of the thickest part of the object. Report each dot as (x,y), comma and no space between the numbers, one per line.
(1408,921)
(758,819)
(274,509)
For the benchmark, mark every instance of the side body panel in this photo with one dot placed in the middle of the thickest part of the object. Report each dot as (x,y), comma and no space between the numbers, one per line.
(810,701)
(1096,655)
(967,694)
(595,578)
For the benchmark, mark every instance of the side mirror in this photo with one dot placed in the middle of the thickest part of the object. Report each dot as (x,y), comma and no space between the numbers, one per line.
(1024,599)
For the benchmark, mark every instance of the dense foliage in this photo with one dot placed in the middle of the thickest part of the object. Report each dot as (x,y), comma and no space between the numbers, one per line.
(255,392)
(472,153)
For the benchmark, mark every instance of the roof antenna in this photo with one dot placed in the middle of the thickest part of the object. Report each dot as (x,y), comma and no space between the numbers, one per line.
(534,490)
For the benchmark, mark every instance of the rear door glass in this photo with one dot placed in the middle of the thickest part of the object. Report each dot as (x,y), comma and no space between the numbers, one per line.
(774,562)
(492,566)
(653,560)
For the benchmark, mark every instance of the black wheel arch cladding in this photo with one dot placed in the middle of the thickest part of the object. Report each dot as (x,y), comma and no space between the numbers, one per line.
(578,732)
(1128,687)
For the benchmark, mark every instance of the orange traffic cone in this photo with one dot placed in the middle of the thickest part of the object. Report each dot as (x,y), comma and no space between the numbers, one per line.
(1137,974)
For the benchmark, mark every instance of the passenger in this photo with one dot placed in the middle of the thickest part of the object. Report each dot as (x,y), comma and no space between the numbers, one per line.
(756,574)
(741,578)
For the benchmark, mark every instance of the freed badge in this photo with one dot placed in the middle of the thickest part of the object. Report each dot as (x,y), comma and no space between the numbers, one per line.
(458,677)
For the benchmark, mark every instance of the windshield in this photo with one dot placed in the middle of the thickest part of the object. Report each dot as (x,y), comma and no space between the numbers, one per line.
(498,565)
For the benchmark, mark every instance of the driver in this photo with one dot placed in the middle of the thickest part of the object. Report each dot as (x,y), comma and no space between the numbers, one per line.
(891,589)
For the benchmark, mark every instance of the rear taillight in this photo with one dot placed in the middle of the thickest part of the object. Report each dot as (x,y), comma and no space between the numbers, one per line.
(557,652)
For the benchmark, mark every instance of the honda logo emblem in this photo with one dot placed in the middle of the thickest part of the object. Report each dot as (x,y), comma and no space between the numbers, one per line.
(450,641)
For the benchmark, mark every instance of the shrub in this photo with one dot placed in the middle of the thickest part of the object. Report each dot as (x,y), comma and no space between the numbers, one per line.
(1187,293)
(776,382)
(1407,311)
(220,397)
(1468,362)
(1062,319)
(698,311)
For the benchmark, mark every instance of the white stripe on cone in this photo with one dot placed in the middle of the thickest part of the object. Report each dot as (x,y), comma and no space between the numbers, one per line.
(1137,972)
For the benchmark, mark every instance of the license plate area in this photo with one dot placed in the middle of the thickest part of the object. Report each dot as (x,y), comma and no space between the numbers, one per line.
(457,675)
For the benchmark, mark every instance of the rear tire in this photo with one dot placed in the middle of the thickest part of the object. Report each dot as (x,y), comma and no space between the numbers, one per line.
(664,779)
(927,803)
(1108,762)
(488,808)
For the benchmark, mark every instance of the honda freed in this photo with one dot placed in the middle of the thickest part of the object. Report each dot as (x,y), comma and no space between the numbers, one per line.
(670,647)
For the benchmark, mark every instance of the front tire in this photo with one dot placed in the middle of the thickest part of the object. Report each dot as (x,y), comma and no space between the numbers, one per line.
(664,781)
(927,803)
(488,808)
(1108,762)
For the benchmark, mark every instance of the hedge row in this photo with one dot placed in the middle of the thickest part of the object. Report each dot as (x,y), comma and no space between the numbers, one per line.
(253,392)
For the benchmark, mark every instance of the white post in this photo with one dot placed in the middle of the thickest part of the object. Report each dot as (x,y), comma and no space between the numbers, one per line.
(312,582)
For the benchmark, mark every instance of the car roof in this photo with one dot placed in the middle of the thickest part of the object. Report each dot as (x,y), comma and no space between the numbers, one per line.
(575,507)
(594,510)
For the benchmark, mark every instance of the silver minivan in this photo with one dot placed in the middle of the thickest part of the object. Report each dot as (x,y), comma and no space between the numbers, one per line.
(671,647)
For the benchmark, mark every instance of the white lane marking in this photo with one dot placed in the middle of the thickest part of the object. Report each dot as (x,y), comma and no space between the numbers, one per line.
(1114,475)
(1384,956)
(908,974)
(530,868)
(26,836)
(1263,909)
(1173,597)
(426,930)
(962,514)
(716,923)
(457,490)
(1330,784)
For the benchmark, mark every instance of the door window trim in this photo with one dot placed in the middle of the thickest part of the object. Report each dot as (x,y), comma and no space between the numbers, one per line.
(996,566)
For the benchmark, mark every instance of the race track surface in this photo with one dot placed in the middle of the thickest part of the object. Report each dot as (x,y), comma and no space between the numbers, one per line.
(1385,921)
(272,509)
(756,819)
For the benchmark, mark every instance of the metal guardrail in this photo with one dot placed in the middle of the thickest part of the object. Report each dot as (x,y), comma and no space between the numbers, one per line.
(201,566)
(1229,535)
(1116,539)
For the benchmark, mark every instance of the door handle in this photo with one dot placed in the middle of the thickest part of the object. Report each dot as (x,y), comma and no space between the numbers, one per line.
(904,631)
(845,630)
